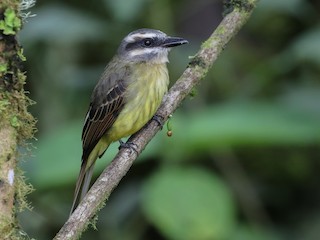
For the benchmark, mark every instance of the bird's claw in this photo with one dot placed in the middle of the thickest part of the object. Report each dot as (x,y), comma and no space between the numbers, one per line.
(132,146)
(159,120)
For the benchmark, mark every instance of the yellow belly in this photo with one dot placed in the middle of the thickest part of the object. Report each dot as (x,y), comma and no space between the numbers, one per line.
(145,92)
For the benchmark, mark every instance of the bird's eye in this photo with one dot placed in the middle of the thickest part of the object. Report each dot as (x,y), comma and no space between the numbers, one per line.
(147,42)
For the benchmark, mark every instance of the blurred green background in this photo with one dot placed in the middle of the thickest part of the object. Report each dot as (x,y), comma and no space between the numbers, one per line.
(243,161)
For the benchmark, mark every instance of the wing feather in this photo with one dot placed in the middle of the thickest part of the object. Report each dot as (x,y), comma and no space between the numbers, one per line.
(100,117)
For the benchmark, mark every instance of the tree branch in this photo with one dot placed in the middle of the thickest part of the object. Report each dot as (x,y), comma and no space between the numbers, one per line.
(240,11)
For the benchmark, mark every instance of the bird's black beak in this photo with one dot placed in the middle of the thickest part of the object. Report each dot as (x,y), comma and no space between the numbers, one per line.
(173,42)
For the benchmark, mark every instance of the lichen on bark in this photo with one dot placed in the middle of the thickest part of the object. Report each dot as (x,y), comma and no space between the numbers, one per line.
(16,124)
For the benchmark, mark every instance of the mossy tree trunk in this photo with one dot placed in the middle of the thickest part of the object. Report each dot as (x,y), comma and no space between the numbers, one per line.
(16,124)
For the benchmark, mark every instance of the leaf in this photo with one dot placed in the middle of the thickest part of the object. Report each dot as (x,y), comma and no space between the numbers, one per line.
(306,47)
(240,124)
(11,22)
(58,157)
(189,203)
(285,6)
(124,10)
(253,233)
(59,23)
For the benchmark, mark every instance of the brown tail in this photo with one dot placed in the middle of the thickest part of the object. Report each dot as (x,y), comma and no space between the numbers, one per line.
(83,184)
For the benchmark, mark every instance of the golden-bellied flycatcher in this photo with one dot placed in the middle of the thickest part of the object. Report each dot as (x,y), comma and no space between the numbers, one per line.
(128,94)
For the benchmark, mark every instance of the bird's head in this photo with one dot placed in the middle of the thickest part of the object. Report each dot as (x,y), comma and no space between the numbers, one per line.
(148,45)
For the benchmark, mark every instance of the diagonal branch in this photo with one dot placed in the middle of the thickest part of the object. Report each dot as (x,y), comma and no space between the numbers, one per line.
(240,11)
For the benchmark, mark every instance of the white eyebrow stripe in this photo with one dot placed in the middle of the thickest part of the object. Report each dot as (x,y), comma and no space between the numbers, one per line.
(133,37)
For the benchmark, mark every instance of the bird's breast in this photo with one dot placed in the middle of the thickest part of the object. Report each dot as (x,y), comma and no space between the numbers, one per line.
(146,88)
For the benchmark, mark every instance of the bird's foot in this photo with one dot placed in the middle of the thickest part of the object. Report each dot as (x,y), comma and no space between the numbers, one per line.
(159,120)
(132,146)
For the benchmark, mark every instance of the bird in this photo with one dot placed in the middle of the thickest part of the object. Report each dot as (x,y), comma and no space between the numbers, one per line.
(125,98)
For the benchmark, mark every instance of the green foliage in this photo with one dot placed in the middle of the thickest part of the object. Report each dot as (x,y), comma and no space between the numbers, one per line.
(253,233)
(305,48)
(124,10)
(11,22)
(3,104)
(60,155)
(15,122)
(21,55)
(189,203)
(3,67)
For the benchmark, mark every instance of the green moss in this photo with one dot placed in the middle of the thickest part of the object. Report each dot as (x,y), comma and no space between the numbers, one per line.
(242,5)
(21,77)
(15,122)
(193,93)
(206,44)
(3,67)
(3,104)
(220,30)
(21,56)
(14,113)
(197,62)
(22,190)
(11,22)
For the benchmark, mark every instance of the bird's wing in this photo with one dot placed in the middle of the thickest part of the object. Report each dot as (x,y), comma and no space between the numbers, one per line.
(101,115)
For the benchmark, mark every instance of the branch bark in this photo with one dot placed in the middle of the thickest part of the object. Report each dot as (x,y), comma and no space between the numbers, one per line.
(8,136)
(239,13)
